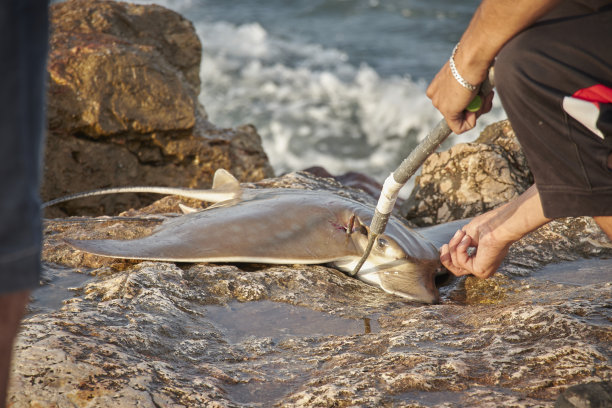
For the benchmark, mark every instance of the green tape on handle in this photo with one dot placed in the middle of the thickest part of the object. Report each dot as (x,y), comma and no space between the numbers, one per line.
(475,105)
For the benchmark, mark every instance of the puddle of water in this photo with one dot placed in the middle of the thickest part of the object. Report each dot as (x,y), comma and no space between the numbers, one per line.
(430,398)
(281,321)
(259,392)
(278,321)
(582,272)
(58,286)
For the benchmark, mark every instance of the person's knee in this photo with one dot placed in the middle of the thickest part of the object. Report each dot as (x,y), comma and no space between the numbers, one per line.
(515,63)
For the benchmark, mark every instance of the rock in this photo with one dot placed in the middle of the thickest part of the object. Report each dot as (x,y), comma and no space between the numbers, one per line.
(469,178)
(106,332)
(590,395)
(117,67)
(123,108)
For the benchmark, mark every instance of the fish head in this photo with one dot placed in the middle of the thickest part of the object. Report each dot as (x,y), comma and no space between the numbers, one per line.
(401,262)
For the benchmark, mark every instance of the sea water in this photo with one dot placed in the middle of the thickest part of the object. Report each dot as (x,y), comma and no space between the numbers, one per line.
(333,83)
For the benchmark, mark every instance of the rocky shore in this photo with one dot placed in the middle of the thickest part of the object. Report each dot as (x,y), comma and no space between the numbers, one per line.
(123,108)
(106,332)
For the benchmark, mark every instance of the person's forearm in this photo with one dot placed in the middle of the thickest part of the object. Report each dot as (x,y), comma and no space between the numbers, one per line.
(492,234)
(494,23)
(519,217)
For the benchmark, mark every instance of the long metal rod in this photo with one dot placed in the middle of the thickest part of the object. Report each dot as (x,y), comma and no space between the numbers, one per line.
(404,171)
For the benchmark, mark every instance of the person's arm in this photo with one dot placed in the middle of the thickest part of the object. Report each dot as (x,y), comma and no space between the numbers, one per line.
(494,23)
(492,234)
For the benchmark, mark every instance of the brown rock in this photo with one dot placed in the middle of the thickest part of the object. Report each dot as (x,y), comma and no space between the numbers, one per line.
(469,178)
(123,107)
(105,332)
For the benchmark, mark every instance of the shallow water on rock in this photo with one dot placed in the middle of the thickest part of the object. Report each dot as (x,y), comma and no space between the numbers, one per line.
(59,284)
(280,321)
(581,272)
(156,334)
(155,323)
(279,326)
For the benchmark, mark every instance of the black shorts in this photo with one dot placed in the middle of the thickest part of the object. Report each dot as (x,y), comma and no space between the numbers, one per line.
(555,82)
(23,52)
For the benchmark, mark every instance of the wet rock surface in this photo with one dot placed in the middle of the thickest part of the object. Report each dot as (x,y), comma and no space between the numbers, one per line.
(108,332)
(591,395)
(151,334)
(469,178)
(123,108)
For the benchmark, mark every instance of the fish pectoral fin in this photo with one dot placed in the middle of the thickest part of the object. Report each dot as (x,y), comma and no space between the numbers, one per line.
(226,203)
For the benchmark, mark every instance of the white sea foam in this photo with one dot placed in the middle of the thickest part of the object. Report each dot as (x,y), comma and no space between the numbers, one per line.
(310,104)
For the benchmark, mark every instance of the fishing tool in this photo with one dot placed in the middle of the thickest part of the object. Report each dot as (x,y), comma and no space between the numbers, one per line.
(408,167)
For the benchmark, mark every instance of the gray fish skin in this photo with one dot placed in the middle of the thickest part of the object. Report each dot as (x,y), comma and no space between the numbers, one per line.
(289,226)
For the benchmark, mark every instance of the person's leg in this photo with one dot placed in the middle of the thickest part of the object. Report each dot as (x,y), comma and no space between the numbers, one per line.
(564,56)
(23,52)
(535,71)
(12,306)
(605,223)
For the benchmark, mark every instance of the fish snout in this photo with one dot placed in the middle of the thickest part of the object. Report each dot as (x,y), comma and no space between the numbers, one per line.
(414,281)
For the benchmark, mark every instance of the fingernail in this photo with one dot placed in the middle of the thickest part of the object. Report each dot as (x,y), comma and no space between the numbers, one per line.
(465,240)
(457,233)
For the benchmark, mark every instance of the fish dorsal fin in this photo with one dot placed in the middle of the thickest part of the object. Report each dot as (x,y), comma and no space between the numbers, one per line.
(223,179)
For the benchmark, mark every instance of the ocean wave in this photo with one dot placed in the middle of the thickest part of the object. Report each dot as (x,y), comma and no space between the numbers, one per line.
(311,106)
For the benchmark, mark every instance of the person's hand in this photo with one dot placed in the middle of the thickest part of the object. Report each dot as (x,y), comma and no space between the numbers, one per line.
(491,234)
(480,235)
(494,23)
(451,99)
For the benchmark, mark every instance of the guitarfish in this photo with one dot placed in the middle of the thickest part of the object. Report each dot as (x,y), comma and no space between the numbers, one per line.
(287,226)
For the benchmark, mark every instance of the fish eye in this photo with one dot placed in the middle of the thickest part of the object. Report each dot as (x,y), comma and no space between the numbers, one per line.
(382,242)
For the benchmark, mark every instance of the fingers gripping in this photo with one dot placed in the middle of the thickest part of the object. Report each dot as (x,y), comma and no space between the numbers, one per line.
(457,255)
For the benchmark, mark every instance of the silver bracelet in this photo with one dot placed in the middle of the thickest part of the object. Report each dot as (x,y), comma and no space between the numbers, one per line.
(456,74)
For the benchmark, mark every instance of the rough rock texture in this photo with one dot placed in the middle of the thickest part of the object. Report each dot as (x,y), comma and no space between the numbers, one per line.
(591,395)
(108,332)
(123,107)
(104,332)
(469,178)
